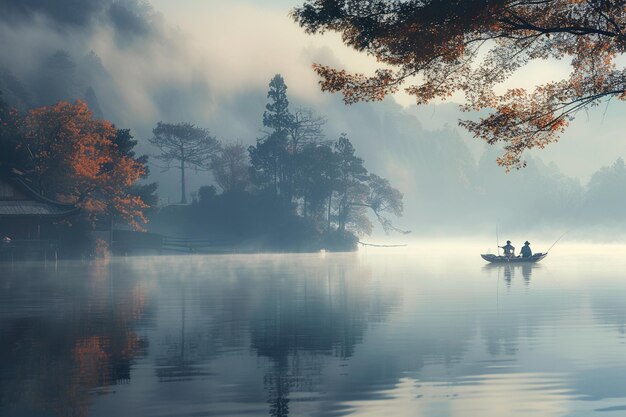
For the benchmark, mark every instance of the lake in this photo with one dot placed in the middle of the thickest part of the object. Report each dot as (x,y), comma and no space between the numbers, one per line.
(397,332)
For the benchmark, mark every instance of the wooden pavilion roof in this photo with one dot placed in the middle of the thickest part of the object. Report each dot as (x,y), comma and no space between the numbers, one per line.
(18,199)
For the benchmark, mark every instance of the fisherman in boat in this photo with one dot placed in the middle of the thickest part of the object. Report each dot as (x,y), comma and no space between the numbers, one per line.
(526,251)
(509,250)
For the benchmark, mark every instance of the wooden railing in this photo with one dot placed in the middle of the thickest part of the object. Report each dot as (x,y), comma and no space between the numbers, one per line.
(185,245)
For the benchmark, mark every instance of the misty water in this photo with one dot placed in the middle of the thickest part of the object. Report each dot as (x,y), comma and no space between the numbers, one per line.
(398,332)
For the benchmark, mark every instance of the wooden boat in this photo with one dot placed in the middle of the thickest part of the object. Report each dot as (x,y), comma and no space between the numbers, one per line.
(499,259)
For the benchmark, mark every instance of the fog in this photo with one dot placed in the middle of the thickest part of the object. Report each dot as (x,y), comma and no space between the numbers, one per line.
(399,329)
(138,63)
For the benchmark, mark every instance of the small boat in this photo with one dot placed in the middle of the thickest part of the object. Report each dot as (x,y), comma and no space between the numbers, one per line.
(500,259)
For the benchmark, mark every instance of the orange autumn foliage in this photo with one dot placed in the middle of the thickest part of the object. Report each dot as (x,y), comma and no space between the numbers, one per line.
(76,161)
(443,47)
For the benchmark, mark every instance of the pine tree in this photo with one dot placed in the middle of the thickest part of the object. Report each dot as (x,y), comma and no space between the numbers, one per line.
(270,157)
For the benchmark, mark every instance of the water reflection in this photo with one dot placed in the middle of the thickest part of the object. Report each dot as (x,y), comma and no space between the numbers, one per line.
(365,334)
(65,334)
(510,271)
(489,395)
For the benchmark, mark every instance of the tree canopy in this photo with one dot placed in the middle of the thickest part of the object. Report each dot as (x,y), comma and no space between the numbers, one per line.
(441,47)
(83,161)
(325,180)
(185,144)
(230,167)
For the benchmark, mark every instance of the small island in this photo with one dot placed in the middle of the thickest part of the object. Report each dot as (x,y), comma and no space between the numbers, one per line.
(295,190)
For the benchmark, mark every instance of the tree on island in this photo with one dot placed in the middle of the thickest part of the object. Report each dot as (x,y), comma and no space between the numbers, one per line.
(305,129)
(318,175)
(315,179)
(358,192)
(185,144)
(470,46)
(231,168)
(302,193)
(269,156)
(274,157)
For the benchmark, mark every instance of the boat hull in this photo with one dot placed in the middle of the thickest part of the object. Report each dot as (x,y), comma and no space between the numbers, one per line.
(496,259)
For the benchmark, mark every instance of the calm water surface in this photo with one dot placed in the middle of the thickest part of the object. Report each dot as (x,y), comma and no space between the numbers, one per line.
(382,332)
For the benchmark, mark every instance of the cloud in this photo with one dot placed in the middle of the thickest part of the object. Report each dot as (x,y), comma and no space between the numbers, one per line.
(129,17)
(77,13)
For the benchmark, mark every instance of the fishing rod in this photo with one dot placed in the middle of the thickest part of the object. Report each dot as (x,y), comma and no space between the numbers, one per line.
(382,246)
(497,240)
(557,241)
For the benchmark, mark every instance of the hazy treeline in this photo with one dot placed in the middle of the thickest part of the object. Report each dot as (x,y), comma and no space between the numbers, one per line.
(293,190)
(449,191)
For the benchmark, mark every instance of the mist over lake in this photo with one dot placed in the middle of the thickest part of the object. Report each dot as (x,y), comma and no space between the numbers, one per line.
(312,208)
(375,332)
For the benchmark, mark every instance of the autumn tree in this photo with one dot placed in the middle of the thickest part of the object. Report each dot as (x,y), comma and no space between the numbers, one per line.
(439,47)
(75,159)
(185,145)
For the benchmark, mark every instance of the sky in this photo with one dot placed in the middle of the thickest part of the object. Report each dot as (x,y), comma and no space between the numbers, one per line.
(250,40)
(209,62)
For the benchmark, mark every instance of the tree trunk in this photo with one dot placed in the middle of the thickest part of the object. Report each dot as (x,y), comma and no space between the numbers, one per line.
(183,193)
(275,177)
(330,198)
(343,212)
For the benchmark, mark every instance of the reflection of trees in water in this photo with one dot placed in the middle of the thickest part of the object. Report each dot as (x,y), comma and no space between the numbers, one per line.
(294,311)
(187,346)
(289,309)
(278,384)
(324,312)
(207,303)
(66,335)
(75,335)
(303,318)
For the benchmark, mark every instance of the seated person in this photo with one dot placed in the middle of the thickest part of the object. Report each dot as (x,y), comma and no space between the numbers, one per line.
(509,250)
(526,251)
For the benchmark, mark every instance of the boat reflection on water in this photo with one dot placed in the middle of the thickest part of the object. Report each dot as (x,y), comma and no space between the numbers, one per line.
(512,270)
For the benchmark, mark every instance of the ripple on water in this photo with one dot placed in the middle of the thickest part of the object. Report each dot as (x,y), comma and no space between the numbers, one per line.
(370,334)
